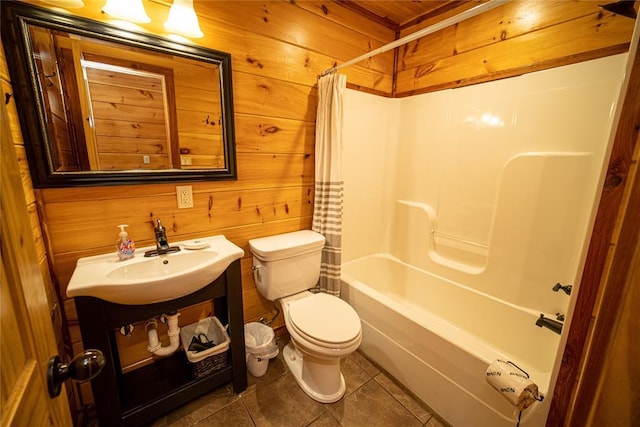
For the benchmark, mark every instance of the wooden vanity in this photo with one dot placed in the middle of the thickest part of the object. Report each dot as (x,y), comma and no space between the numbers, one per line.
(147,393)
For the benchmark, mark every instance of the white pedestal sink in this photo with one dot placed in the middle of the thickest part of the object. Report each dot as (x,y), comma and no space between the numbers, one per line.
(147,280)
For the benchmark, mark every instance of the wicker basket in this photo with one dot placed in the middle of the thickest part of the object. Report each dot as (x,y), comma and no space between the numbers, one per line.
(205,362)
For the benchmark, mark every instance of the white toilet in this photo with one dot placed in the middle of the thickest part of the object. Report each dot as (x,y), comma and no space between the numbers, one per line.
(323,328)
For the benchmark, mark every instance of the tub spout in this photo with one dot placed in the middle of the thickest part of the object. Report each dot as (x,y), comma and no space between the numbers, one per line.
(554,325)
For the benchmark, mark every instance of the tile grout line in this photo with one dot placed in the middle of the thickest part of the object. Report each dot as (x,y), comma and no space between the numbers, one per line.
(247,411)
(326,405)
(399,402)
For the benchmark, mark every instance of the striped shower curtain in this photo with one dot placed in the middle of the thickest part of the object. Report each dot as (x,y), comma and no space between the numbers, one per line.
(327,213)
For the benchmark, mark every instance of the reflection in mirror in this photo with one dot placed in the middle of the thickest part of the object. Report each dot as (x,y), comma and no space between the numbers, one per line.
(148,111)
(116,109)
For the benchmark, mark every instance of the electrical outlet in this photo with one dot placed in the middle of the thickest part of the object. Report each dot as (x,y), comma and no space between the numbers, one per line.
(184,196)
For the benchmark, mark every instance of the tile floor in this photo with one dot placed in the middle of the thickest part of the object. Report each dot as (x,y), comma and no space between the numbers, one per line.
(372,399)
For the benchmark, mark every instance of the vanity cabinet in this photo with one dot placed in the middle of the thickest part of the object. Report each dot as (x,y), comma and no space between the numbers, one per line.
(140,396)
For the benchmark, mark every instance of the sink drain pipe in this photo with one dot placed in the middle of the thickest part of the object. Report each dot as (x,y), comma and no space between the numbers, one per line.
(155,346)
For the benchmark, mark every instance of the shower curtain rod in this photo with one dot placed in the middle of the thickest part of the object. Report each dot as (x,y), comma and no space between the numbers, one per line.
(492,4)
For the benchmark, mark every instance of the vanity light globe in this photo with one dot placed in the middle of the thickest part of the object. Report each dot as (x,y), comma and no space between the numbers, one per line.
(183,19)
(127,10)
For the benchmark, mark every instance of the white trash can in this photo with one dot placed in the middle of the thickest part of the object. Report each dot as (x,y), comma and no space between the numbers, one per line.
(260,345)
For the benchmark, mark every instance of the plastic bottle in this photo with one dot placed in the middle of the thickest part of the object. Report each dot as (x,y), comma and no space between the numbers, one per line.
(124,245)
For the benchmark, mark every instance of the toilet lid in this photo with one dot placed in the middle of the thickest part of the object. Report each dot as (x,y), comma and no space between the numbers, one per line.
(325,318)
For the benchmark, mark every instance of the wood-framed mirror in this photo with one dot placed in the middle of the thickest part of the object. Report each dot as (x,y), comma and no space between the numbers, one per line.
(100,105)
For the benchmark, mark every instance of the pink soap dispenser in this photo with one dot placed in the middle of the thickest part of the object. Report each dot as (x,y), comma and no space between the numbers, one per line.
(124,246)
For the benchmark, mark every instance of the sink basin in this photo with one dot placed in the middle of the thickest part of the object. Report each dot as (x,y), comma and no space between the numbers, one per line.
(142,280)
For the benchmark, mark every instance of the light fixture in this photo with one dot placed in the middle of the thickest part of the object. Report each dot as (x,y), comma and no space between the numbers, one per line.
(183,19)
(67,4)
(622,7)
(128,10)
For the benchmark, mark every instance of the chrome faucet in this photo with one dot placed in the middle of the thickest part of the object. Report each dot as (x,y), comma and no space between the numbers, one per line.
(162,245)
(551,324)
(161,237)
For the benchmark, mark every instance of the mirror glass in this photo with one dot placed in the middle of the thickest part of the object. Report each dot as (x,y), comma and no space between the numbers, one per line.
(99,105)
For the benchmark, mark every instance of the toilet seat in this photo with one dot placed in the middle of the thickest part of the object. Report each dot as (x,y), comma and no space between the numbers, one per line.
(324,320)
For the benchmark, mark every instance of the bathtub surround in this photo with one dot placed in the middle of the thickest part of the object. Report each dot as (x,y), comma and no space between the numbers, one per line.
(440,350)
(327,211)
(486,205)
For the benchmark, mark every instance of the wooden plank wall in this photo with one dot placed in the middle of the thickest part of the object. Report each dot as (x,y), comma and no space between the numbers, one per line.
(517,38)
(199,114)
(279,48)
(116,99)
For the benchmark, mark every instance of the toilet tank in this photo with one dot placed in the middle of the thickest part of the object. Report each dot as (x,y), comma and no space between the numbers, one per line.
(286,264)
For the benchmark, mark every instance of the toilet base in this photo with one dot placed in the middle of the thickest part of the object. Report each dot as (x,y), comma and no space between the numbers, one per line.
(321,379)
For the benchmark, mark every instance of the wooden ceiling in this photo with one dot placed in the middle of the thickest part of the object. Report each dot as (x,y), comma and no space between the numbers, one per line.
(399,14)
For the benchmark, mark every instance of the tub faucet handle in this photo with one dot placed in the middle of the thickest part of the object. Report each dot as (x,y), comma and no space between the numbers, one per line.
(566,288)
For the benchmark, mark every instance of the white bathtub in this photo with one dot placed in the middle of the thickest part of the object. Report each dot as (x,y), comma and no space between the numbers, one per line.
(437,337)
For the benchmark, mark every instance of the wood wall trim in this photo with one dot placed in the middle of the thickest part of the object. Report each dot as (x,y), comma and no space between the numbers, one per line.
(439,13)
(346,16)
(369,90)
(294,26)
(618,393)
(370,15)
(610,208)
